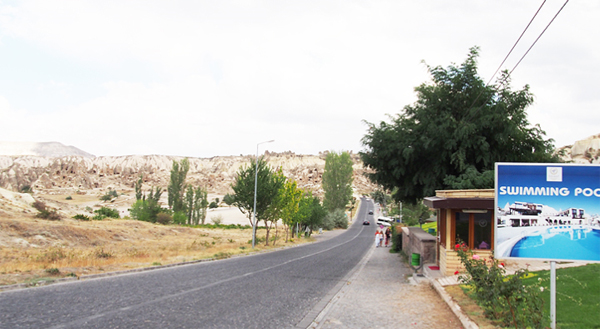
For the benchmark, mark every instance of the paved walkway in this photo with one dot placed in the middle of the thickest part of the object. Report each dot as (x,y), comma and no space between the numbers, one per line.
(382,293)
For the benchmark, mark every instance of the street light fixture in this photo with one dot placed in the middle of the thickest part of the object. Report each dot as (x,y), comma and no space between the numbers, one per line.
(255,189)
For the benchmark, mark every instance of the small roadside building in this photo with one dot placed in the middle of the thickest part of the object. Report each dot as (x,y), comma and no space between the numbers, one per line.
(462,215)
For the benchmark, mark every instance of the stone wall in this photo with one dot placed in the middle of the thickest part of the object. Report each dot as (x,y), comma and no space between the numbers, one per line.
(415,240)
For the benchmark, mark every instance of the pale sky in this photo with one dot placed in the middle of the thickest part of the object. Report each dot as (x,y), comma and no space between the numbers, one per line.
(214,78)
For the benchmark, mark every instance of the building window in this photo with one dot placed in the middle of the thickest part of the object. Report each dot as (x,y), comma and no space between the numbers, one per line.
(482,231)
(462,228)
(473,229)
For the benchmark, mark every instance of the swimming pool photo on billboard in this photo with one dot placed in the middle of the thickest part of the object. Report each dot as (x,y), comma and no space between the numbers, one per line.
(547,211)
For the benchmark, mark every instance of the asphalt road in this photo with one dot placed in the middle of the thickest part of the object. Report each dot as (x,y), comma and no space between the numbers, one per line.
(279,289)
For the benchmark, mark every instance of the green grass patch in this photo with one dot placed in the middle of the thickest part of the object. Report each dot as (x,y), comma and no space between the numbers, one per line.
(577,295)
(226,227)
(430,225)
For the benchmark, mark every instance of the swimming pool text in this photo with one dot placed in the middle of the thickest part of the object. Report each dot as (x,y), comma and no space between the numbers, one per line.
(548,191)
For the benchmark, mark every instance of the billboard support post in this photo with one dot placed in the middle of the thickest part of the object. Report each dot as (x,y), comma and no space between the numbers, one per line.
(553,294)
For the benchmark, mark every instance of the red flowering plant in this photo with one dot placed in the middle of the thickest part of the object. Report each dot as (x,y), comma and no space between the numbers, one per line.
(502,297)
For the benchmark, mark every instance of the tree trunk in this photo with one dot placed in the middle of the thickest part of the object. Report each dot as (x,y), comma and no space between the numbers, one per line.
(287,232)
(267,228)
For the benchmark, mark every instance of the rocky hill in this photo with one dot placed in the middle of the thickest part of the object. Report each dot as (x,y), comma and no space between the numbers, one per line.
(94,176)
(49,149)
(88,176)
(583,151)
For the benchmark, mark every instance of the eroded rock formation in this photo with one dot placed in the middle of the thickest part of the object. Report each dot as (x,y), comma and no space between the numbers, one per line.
(61,175)
(583,151)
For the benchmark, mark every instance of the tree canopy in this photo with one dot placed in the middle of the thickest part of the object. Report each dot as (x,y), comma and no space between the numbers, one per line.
(146,208)
(268,192)
(300,209)
(337,181)
(453,134)
(176,186)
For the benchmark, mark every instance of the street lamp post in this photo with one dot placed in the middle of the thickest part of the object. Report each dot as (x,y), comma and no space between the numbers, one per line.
(255,189)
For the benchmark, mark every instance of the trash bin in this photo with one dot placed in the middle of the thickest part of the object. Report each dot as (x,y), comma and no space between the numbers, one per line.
(431,231)
(416,260)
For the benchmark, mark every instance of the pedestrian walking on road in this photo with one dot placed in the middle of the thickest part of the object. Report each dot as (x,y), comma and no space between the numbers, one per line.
(388,235)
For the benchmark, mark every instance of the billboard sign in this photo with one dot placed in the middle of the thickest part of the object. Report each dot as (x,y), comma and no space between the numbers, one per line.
(547,211)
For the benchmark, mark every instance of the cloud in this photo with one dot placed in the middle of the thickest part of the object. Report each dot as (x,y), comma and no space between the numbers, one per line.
(214,78)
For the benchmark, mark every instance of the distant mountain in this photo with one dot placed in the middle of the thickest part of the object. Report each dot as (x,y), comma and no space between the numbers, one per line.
(47,149)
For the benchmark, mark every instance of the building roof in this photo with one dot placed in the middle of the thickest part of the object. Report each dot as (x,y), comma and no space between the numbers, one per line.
(461,199)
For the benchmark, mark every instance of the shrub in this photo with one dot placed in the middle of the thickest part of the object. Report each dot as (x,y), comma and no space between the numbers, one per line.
(179,217)
(147,210)
(257,240)
(69,197)
(52,255)
(502,297)
(52,271)
(163,218)
(328,223)
(100,253)
(217,220)
(45,212)
(112,194)
(26,189)
(81,217)
(213,205)
(106,212)
(335,219)
(222,255)
(340,220)
(229,199)
(396,238)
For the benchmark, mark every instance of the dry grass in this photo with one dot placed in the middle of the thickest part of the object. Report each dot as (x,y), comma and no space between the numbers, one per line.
(32,248)
(470,308)
(75,198)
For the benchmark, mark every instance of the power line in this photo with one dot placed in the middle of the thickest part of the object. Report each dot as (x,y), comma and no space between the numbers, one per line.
(536,40)
(522,57)
(505,58)
(519,39)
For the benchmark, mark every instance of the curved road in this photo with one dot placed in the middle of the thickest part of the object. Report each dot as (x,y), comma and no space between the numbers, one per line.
(272,290)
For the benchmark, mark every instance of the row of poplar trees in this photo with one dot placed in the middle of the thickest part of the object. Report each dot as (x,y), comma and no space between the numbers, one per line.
(187,205)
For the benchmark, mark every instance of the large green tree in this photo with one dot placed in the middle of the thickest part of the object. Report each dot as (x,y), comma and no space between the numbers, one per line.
(290,198)
(200,206)
(270,184)
(453,134)
(314,215)
(176,186)
(337,180)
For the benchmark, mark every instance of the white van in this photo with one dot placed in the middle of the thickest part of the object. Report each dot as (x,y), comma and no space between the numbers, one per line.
(385,221)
